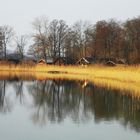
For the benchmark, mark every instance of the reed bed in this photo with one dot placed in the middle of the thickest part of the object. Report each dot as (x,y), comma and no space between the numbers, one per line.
(118,77)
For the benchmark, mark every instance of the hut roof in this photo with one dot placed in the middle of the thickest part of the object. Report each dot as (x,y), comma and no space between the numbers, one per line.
(83,61)
(90,59)
(110,63)
(41,61)
(121,61)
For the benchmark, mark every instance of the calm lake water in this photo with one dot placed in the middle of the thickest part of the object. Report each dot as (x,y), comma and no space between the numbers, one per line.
(66,110)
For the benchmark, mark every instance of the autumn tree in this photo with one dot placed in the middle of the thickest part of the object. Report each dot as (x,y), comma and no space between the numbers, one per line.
(132,40)
(105,40)
(113,38)
(99,38)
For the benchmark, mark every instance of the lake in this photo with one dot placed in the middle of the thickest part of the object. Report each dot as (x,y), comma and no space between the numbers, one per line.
(57,109)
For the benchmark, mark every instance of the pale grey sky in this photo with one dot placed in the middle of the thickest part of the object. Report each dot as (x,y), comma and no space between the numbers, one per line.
(21,13)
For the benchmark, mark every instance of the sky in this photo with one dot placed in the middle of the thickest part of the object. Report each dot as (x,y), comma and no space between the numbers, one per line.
(20,13)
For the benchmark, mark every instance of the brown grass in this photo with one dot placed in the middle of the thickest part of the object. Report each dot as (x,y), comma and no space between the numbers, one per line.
(119,77)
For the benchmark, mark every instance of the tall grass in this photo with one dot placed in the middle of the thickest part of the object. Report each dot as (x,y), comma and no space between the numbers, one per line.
(119,77)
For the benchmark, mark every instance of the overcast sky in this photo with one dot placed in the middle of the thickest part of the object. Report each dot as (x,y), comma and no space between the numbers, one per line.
(20,13)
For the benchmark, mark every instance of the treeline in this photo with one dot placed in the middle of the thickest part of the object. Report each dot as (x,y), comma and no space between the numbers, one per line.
(105,40)
(102,41)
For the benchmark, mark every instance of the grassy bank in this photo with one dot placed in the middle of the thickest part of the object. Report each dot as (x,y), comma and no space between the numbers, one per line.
(119,77)
(121,73)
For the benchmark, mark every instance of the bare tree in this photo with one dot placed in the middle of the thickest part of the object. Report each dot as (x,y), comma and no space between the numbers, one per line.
(1,43)
(81,30)
(53,38)
(62,32)
(6,33)
(106,40)
(21,42)
(41,35)
(58,32)
(34,51)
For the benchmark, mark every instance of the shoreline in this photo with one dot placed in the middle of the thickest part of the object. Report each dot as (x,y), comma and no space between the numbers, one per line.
(120,77)
(122,73)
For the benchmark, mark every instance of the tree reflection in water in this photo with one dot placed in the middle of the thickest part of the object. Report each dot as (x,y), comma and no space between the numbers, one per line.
(5,103)
(56,100)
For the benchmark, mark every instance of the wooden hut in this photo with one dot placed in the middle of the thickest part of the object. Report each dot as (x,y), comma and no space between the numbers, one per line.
(41,61)
(110,63)
(120,61)
(85,61)
(82,61)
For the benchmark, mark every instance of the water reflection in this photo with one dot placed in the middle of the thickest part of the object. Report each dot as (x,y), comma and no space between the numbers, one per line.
(56,100)
(5,103)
